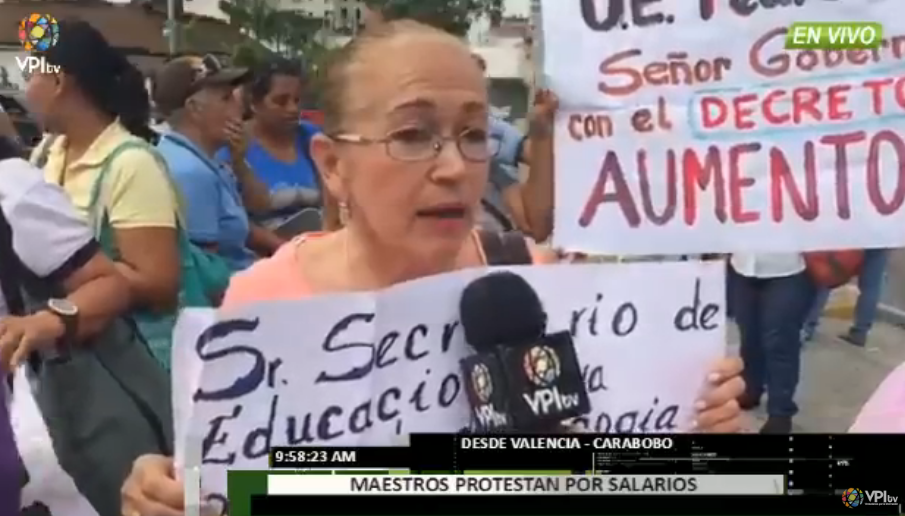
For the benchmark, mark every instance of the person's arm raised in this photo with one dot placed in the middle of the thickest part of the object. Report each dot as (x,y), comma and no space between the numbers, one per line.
(255,194)
(537,192)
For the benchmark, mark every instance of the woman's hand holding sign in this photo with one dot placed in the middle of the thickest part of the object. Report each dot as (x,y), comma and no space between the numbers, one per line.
(718,409)
(152,488)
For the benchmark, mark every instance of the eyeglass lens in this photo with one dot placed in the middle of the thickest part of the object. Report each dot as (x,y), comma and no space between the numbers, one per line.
(472,146)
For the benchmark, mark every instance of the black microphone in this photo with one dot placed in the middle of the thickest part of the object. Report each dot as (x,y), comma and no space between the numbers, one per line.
(521,380)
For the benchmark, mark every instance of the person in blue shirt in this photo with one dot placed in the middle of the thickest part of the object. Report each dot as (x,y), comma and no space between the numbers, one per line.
(277,150)
(197,97)
(508,202)
(504,208)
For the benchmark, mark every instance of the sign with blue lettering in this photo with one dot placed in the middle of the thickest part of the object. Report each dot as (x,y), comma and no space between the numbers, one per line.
(366,369)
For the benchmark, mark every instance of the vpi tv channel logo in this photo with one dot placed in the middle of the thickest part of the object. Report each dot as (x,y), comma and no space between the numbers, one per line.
(542,368)
(880,498)
(482,386)
(855,497)
(37,33)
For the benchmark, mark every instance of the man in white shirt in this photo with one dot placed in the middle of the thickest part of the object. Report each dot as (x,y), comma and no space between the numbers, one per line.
(771,296)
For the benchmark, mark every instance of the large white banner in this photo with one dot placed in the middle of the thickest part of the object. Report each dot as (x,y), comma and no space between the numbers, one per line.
(687,128)
(370,368)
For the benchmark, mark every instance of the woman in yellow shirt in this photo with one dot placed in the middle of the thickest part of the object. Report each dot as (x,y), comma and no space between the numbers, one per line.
(95,103)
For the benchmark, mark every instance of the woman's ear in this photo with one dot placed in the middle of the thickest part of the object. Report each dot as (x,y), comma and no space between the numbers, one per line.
(324,154)
(61,81)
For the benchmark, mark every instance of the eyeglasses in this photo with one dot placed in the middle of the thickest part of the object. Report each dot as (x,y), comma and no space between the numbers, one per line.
(420,145)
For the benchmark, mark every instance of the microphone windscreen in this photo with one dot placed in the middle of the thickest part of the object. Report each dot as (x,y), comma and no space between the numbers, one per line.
(501,308)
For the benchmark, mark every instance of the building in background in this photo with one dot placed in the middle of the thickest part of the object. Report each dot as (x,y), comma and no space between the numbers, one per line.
(341,17)
(506,46)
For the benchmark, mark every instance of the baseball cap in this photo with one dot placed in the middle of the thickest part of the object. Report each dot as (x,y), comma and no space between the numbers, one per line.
(184,76)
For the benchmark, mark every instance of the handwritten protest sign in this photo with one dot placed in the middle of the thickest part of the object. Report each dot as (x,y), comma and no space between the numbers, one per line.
(370,368)
(687,128)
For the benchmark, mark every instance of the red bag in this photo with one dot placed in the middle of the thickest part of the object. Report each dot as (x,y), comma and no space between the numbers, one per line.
(831,269)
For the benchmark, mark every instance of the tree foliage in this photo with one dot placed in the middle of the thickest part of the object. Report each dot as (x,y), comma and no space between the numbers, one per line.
(285,32)
(453,16)
(270,32)
(275,32)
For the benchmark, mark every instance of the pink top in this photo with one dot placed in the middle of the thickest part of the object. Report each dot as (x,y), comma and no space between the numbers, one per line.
(274,278)
(884,412)
(278,277)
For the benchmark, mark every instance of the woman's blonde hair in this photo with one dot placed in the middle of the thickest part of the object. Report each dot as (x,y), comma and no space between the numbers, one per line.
(336,80)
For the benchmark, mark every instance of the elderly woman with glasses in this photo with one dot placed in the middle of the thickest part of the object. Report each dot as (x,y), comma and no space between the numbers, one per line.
(405,148)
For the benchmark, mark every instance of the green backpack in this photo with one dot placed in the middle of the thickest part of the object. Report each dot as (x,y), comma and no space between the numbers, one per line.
(204,276)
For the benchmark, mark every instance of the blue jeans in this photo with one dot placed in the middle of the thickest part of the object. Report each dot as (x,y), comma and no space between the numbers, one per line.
(870,285)
(770,313)
(730,298)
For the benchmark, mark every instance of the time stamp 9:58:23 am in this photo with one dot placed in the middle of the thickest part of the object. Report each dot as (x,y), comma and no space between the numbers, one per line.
(314,457)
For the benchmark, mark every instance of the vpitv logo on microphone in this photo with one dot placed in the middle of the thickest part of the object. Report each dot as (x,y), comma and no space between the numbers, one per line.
(542,368)
(482,385)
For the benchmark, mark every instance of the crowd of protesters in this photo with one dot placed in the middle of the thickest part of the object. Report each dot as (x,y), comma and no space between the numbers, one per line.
(234,191)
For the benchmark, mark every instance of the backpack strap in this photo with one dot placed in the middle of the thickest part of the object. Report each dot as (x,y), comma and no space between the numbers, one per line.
(498,215)
(96,209)
(97,187)
(509,248)
(44,151)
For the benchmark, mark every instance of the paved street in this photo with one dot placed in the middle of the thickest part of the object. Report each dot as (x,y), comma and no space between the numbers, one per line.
(838,378)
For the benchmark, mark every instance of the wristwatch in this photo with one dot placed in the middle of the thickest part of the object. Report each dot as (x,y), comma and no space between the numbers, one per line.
(69,315)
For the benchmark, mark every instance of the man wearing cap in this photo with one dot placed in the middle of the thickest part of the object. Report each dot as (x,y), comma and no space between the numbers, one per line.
(196,97)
